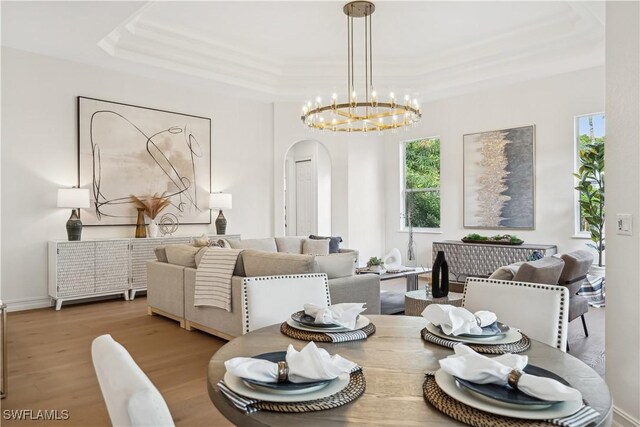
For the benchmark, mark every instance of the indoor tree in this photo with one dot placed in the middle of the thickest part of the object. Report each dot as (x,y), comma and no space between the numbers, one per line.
(591,187)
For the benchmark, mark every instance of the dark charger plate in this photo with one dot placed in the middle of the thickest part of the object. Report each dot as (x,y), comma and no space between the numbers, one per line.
(493,330)
(276,357)
(305,319)
(509,395)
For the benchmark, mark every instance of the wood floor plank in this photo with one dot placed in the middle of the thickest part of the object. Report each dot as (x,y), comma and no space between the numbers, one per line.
(50,363)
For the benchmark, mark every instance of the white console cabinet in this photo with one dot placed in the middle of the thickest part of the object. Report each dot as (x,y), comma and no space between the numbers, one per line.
(92,268)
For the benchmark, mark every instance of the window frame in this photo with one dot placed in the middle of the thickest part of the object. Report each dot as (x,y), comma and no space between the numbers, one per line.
(404,190)
(577,229)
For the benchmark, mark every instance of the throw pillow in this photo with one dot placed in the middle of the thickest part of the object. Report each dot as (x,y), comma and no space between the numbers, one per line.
(315,247)
(184,255)
(546,271)
(337,265)
(265,245)
(290,245)
(161,253)
(334,242)
(201,241)
(258,263)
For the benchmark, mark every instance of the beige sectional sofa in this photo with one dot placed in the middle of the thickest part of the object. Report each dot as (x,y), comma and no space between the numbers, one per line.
(171,287)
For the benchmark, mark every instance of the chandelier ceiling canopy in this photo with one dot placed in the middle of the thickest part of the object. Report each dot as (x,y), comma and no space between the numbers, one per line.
(370,113)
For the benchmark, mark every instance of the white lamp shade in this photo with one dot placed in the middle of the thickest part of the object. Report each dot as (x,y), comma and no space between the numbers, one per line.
(73,198)
(219,201)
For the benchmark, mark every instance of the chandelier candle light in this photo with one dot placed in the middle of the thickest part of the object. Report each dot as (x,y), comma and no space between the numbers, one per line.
(370,114)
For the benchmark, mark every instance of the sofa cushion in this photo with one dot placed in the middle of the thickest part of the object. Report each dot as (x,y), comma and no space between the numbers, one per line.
(265,245)
(546,270)
(334,242)
(180,254)
(336,265)
(258,263)
(315,247)
(576,266)
(289,245)
(161,253)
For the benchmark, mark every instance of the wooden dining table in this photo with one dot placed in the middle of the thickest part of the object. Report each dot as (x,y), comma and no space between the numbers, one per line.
(394,361)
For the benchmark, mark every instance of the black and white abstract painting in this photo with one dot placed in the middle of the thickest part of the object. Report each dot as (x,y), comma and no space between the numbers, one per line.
(499,182)
(125,149)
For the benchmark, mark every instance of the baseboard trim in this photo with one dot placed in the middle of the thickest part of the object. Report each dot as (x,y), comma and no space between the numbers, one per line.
(621,418)
(31,303)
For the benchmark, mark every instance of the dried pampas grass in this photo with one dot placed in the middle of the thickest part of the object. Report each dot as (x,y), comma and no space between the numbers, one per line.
(152,205)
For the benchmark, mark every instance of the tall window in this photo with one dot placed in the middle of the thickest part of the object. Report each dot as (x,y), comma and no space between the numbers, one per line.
(590,129)
(421,182)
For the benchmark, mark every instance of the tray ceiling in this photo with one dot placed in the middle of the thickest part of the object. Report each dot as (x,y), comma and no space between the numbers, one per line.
(291,50)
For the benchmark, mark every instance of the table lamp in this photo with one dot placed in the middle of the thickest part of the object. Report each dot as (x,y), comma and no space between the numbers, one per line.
(220,201)
(73,198)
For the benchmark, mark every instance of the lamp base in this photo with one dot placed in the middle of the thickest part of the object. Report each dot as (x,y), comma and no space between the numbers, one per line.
(74,227)
(221,223)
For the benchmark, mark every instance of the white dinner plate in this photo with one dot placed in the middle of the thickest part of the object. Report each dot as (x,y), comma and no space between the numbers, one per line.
(558,410)
(360,323)
(236,384)
(510,337)
(287,392)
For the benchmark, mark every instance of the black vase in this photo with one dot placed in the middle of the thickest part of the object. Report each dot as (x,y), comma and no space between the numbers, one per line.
(440,277)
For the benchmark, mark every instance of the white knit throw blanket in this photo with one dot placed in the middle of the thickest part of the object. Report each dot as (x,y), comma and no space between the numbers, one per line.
(213,278)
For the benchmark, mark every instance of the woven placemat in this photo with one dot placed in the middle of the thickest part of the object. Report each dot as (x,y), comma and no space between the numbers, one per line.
(351,392)
(466,414)
(515,347)
(298,334)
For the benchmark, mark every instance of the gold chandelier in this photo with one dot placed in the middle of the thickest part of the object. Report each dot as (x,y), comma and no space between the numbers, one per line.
(370,114)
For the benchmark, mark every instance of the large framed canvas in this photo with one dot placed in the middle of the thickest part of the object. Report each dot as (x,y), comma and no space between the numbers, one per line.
(126,150)
(499,179)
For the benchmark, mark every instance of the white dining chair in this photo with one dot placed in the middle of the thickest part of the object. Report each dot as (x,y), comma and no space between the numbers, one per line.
(539,311)
(272,299)
(130,396)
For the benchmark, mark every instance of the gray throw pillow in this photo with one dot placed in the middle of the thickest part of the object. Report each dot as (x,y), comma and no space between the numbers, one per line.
(546,271)
(334,242)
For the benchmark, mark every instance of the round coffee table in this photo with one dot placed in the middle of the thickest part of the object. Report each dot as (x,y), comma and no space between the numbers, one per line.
(416,301)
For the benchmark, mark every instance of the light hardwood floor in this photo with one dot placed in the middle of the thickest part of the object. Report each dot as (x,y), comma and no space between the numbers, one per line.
(50,362)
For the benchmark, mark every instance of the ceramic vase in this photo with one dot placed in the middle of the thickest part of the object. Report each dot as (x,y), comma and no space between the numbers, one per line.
(153,228)
(141,230)
(440,277)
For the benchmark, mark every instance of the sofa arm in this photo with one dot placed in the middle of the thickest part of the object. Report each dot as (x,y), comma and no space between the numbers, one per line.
(358,288)
(165,287)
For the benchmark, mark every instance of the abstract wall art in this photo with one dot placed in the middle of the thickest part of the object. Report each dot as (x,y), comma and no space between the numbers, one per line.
(125,149)
(499,179)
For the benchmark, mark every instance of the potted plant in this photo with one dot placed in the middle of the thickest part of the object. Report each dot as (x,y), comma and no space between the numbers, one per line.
(375,264)
(591,187)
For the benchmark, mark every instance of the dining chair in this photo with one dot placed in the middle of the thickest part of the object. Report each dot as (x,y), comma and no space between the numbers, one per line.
(576,266)
(130,396)
(538,310)
(272,299)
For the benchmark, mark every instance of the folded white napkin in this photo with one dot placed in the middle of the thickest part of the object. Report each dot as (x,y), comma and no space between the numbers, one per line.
(344,314)
(457,320)
(309,364)
(479,369)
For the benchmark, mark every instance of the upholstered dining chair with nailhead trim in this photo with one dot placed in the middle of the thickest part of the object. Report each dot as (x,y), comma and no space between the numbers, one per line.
(539,311)
(269,300)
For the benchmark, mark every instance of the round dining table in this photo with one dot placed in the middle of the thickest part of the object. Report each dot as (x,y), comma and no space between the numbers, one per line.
(394,360)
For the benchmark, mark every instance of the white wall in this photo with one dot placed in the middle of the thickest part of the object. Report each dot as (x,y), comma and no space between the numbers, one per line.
(550,104)
(39,155)
(623,196)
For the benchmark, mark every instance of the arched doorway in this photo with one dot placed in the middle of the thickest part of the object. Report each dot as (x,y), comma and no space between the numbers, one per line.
(307,186)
